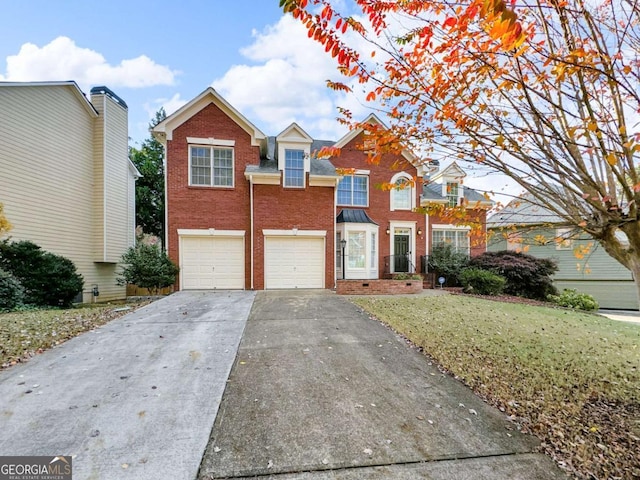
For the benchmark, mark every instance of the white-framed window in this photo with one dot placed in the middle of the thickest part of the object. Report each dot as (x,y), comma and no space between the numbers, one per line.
(452,193)
(402,192)
(338,250)
(210,166)
(294,168)
(374,253)
(514,241)
(357,250)
(353,190)
(457,238)
(564,238)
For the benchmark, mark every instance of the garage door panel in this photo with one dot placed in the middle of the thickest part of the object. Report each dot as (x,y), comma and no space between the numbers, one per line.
(294,262)
(212,262)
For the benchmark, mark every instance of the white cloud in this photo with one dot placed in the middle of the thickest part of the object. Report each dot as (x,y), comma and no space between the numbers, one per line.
(170,105)
(284,80)
(62,59)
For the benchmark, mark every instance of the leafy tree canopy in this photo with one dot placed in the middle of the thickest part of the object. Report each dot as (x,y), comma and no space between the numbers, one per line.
(544,92)
(150,203)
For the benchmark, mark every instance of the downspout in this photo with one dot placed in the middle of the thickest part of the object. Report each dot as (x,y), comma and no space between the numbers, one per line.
(166,198)
(251,216)
(427,233)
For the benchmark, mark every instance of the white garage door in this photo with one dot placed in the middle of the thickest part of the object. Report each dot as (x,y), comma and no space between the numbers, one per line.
(293,262)
(212,262)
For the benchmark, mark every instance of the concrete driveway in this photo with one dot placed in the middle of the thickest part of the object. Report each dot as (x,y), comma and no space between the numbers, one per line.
(321,391)
(135,399)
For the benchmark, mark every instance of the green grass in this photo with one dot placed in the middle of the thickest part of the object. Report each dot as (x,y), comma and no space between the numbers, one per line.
(571,378)
(24,334)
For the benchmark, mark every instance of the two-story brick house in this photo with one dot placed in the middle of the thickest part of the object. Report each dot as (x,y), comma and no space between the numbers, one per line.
(249,211)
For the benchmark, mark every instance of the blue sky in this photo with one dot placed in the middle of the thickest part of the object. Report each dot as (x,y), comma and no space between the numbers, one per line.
(165,53)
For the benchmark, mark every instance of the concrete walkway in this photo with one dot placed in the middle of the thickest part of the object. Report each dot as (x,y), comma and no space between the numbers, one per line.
(321,391)
(135,399)
(632,316)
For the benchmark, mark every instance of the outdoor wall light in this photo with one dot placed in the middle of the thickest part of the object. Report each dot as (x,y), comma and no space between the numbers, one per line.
(419,231)
(388,230)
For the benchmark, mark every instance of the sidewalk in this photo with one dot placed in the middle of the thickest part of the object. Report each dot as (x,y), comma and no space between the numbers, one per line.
(321,391)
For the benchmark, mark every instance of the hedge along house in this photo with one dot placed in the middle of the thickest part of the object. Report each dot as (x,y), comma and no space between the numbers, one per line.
(67,183)
(251,211)
(582,264)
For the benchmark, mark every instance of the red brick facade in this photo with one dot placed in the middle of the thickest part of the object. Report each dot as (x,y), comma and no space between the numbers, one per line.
(190,207)
(258,202)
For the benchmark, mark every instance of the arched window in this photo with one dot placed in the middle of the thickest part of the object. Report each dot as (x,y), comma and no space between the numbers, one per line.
(402,192)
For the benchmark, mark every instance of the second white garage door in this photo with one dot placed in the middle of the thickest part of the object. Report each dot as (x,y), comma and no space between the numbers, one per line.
(212,262)
(293,262)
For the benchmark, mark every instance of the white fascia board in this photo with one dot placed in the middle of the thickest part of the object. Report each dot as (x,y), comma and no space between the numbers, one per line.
(219,142)
(209,232)
(169,124)
(294,233)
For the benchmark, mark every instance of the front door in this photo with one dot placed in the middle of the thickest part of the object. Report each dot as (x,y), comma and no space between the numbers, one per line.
(401,250)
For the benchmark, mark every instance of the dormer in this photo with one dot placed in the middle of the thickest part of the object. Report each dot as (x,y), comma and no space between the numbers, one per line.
(451,179)
(293,147)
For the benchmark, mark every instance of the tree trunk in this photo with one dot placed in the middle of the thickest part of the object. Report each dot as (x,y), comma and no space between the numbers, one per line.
(634,266)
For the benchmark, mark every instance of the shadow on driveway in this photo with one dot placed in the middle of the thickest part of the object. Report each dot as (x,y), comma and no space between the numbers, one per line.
(319,390)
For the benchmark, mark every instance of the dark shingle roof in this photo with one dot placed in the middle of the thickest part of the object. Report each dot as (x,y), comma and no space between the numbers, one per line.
(354,215)
(433,191)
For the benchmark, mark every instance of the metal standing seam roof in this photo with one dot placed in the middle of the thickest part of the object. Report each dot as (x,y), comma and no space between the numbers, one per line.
(354,215)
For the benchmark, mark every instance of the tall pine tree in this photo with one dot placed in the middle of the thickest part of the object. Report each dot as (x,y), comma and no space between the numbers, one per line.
(150,202)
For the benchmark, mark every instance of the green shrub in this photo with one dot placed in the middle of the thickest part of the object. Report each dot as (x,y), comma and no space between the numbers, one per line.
(447,263)
(11,292)
(482,282)
(406,276)
(148,267)
(571,298)
(49,280)
(527,276)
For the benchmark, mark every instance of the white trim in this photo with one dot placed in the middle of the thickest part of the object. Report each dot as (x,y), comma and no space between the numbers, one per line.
(352,204)
(412,238)
(282,161)
(211,141)
(252,226)
(440,226)
(294,233)
(412,194)
(105,176)
(210,232)
(362,172)
(164,130)
(211,148)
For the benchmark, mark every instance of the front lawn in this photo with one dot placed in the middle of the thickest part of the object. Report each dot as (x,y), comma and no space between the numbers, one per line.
(24,334)
(570,378)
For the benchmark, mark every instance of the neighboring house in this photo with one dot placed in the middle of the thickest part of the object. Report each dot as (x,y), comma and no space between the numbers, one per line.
(67,183)
(249,211)
(582,262)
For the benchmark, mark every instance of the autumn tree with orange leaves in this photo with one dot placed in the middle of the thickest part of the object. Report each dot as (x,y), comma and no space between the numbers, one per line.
(545,92)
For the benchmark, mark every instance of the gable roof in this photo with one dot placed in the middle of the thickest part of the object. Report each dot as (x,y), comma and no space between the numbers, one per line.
(63,84)
(452,171)
(294,133)
(432,193)
(164,130)
(522,211)
(374,120)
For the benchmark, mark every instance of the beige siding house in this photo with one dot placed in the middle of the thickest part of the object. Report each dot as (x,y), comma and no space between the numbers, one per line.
(66,181)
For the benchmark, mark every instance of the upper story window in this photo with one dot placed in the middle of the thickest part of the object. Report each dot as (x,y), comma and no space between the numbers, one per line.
(353,190)
(401,193)
(211,166)
(452,194)
(564,238)
(294,168)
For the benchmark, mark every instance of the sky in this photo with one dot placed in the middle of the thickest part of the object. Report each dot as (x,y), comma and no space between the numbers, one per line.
(163,54)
